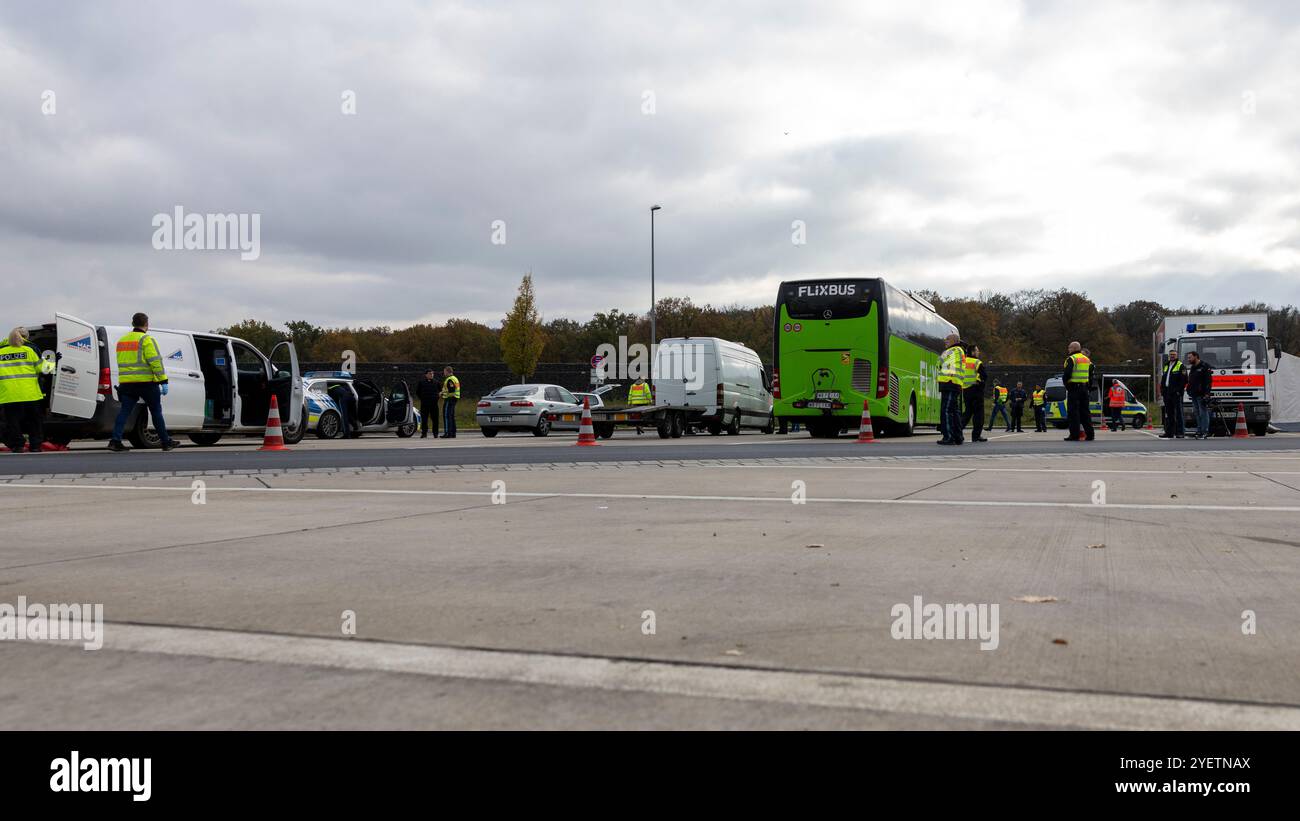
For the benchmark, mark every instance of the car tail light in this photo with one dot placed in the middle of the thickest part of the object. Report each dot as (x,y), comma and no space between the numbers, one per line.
(105,382)
(521,403)
(776,383)
(485,404)
(882,383)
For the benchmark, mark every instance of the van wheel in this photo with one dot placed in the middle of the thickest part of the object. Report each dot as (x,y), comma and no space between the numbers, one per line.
(543,426)
(141,436)
(205,438)
(770,427)
(406,431)
(329,425)
(664,427)
(293,434)
(488,432)
(1139,422)
(605,430)
(1259,428)
(715,428)
(733,428)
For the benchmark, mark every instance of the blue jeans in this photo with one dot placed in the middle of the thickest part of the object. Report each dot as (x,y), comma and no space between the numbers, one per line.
(950,416)
(1000,408)
(1201,406)
(129,394)
(449,416)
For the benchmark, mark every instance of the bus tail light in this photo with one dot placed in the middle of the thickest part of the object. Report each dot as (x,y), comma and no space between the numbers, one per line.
(882,383)
(776,382)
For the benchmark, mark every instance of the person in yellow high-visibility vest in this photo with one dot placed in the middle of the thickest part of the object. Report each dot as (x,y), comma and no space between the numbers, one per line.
(973,374)
(450,396)
(1077,377)
(141,377)
(952,381)
(1040,409)
(638,393)
(21,397)
(1000,405)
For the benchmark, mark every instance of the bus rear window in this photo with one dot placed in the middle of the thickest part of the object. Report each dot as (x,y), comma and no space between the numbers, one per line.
(827,300)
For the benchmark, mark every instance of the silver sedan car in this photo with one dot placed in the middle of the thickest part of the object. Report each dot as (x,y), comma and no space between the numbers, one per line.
(535,408)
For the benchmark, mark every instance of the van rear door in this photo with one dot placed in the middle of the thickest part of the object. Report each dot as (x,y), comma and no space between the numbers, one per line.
(76,378)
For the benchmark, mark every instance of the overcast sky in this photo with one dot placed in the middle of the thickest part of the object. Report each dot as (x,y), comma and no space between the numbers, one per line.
(1134,151)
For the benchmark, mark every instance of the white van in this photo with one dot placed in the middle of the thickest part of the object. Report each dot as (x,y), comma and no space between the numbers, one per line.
(726,380)
(218,384)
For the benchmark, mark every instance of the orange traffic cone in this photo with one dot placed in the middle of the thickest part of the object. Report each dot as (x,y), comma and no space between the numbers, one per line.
(1239,429)
(865,433)
(274,437)
(586,434)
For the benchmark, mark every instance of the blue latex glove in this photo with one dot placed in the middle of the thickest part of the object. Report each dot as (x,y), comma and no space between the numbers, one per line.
(163,388)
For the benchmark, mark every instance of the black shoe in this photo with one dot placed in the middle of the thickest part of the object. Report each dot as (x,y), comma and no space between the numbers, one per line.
(424,436)
(981,439)
(171,444)
(944,442)
(1070,439)
(117,447)
(1179,436)
(1164,436)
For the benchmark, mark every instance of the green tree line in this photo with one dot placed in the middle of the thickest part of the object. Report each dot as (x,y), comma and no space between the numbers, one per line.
(1021,328)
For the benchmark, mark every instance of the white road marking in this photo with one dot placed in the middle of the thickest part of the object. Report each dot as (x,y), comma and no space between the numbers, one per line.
(666,497)
(994,703)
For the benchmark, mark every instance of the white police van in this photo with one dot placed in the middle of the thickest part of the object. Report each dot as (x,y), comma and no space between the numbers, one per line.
(218,385)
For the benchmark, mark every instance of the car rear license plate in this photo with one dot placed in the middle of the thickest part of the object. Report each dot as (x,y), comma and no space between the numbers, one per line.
(498,418)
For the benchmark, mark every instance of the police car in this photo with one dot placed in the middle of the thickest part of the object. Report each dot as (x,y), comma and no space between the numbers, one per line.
(1135,413)
(378,413)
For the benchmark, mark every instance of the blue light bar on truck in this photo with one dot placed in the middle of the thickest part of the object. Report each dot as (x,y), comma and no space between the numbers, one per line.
(1193,327)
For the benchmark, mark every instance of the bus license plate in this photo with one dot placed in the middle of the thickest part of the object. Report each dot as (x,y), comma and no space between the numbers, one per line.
(818,405)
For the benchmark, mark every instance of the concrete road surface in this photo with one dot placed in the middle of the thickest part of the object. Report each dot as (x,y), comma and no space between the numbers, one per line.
(1131,592)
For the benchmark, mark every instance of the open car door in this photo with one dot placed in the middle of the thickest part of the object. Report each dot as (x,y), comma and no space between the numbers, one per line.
(400,411)
(76,376)
(287,384)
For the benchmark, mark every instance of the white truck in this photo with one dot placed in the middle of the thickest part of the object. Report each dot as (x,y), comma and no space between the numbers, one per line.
(1238,350)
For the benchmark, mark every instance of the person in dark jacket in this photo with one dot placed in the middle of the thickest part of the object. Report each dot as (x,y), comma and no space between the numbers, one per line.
(1017,398)
(426,390)
(1199,380)
(346,401)
(1173,381)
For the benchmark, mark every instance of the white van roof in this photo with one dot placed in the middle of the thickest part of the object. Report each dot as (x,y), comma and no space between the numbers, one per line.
(713,340)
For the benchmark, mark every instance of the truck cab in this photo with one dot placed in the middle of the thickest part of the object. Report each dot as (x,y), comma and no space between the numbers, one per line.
(217,384)
(1239,353)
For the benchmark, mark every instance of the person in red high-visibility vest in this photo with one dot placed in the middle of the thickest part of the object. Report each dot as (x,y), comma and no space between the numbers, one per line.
(1118,400)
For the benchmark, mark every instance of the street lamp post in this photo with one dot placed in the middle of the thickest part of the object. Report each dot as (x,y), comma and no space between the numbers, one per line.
(653,338)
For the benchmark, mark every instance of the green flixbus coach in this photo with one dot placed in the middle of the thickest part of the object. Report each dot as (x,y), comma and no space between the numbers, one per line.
(838,342)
